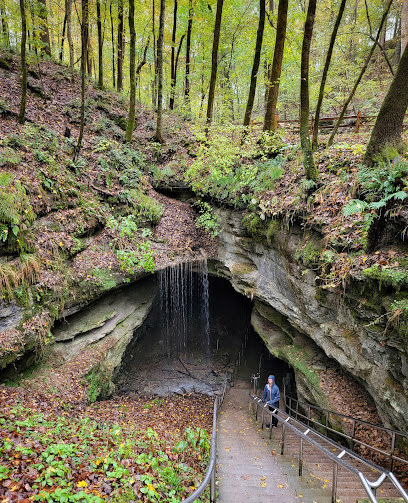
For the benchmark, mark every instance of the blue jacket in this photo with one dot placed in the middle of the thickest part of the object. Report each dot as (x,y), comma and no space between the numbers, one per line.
(271,395)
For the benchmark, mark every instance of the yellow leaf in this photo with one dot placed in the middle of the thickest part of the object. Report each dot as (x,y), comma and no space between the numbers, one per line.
(82,483)
(280,486)
(263,484)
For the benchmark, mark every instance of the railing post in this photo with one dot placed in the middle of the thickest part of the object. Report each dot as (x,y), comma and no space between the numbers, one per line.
(357,128)
(213,492)
(327,422)
(262,417)
(301,457)
(283,438)
(392,450)
(353,434)
(334,486)
(308,415)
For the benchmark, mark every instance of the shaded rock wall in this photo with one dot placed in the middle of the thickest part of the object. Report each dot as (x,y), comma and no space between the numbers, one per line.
(271,275)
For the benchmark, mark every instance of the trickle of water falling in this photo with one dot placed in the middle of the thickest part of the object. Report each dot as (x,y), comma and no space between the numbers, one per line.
(205,297)
(180,291)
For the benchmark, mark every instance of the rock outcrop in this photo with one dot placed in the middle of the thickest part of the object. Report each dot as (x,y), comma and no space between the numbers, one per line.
(287,297)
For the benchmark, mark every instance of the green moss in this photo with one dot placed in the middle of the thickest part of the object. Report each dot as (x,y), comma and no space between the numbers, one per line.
(272,230)
(242,268)
(254,225)
(397,277)
(105,276)
(100,383)
(308,252)
(299,359)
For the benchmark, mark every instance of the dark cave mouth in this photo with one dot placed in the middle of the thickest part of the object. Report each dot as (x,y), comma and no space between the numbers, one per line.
(191,339)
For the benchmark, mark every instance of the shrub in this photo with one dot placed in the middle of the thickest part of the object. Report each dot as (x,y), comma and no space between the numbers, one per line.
(16,212)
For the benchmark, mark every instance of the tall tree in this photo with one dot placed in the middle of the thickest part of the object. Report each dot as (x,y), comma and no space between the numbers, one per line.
(404,25)
(100,43)
(275,72)
(326,71)
(44,30)
(173,56)
(308,162)
(385,138)
(158,136)
(132,73)
(68,13)
(4,24)
(188,50)
(113,47)
(362,72)
(119,82)
(214,61)
(61,54)
(84,49)
(255,66)
(23,101)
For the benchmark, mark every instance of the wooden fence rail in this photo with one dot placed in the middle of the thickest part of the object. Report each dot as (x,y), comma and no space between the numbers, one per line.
(349,121)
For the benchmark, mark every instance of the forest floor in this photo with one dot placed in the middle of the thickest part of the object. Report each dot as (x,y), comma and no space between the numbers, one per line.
(61,392)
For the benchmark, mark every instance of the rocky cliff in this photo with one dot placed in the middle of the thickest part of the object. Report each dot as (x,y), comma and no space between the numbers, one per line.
(291,310)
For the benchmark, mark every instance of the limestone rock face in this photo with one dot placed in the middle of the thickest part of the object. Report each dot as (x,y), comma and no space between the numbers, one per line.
(271,275)
(111,320)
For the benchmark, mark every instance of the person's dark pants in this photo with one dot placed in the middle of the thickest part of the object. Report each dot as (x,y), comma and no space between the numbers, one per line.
(274,418)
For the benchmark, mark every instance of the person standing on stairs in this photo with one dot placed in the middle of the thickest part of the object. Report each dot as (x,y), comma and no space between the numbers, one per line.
(271,395)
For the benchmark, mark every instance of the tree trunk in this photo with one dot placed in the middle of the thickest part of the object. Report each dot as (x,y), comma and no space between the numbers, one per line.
(275,73)
(386,135)
(23,101)
(158,135)
(84,46)
(308,162)
(68,12)
(119,82)
(176,66)
(255,66)
(188,50)
(134,75)
(132,70)
(404,25)
(154,83)
(44,31)
(326,71)
(100,44)
(362,72)
(214,61)
(113,47)
(397,37)
(61,54)
(173,56)
(4,24)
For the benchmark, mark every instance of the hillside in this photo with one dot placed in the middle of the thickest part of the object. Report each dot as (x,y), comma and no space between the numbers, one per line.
(71,231)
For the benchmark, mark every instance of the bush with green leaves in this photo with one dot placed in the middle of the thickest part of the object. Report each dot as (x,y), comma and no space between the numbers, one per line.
(131,247)
(231,171)
(16,212)
(207,219)
(381,188)
(142,207)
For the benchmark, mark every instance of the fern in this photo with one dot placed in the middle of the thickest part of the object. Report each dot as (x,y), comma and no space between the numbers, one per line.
(354,207)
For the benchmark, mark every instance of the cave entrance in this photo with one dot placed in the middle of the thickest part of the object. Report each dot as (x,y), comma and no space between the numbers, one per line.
(189,345)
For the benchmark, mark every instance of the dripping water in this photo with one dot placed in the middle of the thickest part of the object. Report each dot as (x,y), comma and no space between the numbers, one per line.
(183,286)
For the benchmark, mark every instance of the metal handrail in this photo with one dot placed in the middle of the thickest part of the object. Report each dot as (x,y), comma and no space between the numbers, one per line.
(355,421)
(295,425)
